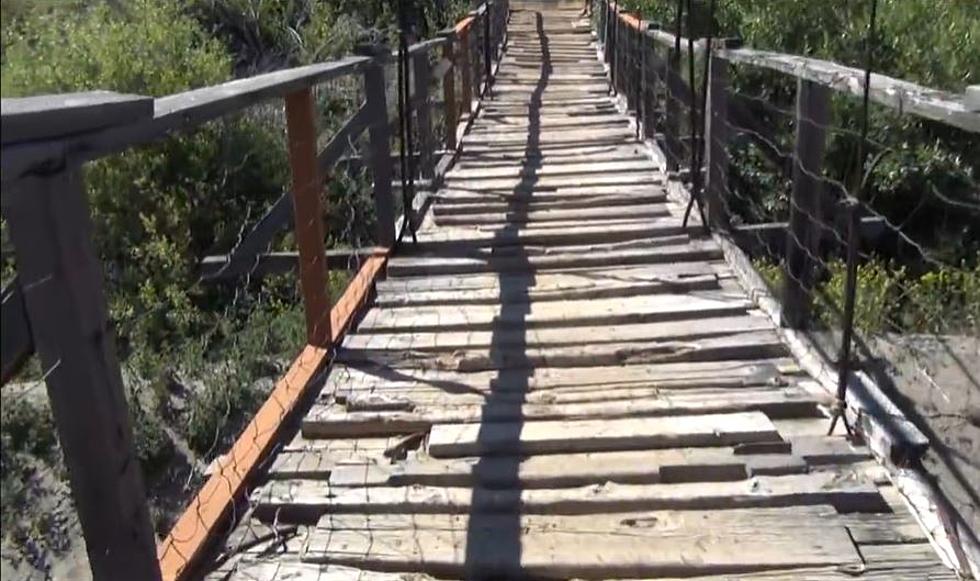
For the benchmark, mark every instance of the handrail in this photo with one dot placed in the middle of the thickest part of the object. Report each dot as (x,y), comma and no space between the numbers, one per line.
(47,139)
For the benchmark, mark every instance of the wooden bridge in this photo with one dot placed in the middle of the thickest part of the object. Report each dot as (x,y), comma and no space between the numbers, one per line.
(560,379)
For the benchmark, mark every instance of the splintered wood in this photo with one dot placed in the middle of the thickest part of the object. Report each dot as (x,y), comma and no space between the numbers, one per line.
(561,381)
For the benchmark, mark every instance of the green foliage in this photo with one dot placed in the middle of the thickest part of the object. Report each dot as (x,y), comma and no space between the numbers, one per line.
(878,288)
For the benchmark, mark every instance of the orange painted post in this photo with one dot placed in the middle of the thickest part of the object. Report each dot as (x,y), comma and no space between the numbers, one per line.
(308,214)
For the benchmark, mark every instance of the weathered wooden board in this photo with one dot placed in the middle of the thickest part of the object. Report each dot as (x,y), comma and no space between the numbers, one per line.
(567,313)
(434,265)
(662,375)
(670,465)
(557,280)
(336,422)
(314,498)
(454,340)
(749,345)
(501,546)
(523,214)
(553,437)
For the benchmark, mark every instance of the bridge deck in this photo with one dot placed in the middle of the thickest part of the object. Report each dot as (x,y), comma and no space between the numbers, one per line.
(560,381)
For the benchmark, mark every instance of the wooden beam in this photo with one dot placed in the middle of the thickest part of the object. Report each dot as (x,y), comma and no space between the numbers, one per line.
(906,97)
(201,521)
(716,143)
(48,116)
(379,153)
(451,108)
(422,76)
(308,215)
(806,212)
(60,272)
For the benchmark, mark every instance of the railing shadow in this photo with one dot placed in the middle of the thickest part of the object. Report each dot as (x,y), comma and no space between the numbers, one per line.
(494,528)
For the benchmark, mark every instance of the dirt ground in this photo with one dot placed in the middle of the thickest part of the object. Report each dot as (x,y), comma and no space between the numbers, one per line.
(936,381)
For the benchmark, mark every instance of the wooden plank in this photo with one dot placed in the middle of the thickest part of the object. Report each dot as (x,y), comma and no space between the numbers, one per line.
(521,186)
(569,168)
(748,345)
(644,309)
(585,335)
(453,440)
(550,280)
(313,498)
(530,215)
(696,250)
(380,153)
(308,215)
(661,375)
(333,422)
(61,276)
(193,530)
(483,546)
(538,293)
(673,465)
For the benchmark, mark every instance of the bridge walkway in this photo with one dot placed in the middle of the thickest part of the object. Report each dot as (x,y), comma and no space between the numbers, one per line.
(561,381)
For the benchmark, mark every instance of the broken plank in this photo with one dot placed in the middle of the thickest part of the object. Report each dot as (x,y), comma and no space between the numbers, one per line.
(335,422)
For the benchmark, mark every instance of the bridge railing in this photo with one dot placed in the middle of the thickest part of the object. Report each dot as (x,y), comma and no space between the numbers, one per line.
(398,132)
(871,251)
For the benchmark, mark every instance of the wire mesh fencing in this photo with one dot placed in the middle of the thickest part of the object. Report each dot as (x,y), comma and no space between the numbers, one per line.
(857,198)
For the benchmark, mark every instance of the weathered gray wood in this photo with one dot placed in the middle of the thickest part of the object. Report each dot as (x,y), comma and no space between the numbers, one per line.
(806,221)
(51,116)
(380,153)
(568,314)
(906,97)
(549,437)
(568,547)
(312,498)
(693,251)
(334,422)
(671,465)
(743,345)
(59,269)
(662,375)
(716,143)
(16,345)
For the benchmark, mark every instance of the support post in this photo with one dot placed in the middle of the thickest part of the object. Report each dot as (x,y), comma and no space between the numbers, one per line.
(423,102)
(672,125)
(308,215)
(649,82)
(61,276)
(487,60)
(803,233)
(449,92)
(380,151)
(466,70)
(716,142)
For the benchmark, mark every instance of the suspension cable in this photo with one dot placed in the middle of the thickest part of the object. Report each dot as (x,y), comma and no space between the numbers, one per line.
(860,186)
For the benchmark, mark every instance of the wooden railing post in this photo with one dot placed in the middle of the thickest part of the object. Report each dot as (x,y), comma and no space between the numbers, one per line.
(803,234)
(449,91)
(308,214)
(423,112)
(649,82)
(380,150)
(57,264)
(466,70)
(487,53)
(476,52)
(672,121)
(716,141)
